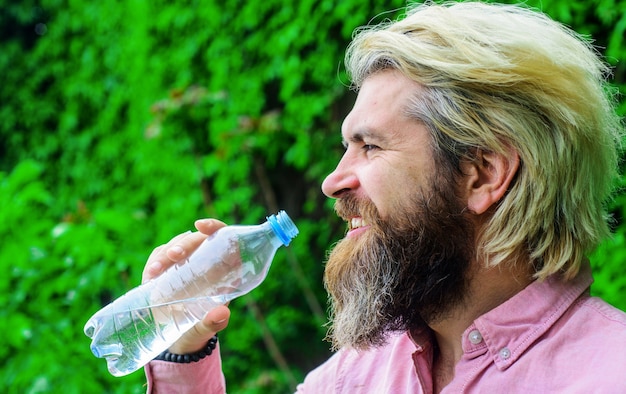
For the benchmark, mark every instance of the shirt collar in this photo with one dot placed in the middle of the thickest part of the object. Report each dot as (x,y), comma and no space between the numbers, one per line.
(509,329)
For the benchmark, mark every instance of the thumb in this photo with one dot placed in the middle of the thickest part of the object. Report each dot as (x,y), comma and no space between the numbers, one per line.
(214,321)
(197,338)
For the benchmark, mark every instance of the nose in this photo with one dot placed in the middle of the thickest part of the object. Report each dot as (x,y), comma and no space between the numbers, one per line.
(341,180)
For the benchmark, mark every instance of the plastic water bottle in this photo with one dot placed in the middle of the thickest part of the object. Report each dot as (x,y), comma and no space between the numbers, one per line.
(147,320)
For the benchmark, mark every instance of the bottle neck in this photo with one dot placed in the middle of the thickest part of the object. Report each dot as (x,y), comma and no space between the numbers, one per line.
(283,227)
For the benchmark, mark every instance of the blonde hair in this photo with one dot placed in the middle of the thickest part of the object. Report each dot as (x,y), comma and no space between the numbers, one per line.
(497,77)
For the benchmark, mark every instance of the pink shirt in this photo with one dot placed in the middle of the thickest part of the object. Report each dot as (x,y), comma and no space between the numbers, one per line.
(204,376)
(552,337)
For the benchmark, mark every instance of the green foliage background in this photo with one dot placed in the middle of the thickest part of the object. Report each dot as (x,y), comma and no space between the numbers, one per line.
(123,122)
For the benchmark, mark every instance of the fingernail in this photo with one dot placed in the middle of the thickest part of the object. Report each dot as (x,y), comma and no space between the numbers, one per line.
(177,249)
(156,266)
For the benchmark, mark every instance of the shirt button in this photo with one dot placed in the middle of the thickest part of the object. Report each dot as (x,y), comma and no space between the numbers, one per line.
(505,353)
(475,337)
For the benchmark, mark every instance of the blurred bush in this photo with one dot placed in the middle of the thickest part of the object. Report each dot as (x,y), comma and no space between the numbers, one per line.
(121,123)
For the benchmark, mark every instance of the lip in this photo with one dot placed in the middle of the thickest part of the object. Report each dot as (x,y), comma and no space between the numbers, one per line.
(356,231)
(359,229)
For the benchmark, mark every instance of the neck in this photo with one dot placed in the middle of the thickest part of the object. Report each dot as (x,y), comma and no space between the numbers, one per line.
(487,289)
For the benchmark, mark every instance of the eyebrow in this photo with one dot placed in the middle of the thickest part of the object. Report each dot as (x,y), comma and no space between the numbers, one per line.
(361,135)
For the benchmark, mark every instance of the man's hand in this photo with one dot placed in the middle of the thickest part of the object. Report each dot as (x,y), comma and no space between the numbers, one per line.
(177,251)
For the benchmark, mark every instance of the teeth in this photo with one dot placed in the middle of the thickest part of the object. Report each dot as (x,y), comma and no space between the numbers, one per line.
(356,223)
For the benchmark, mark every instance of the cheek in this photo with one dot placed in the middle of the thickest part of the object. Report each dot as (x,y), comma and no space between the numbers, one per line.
(390,191)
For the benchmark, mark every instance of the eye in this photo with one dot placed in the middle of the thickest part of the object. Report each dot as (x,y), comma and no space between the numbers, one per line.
(369,147)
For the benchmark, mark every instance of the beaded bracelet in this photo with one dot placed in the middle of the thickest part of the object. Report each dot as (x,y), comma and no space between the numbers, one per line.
(190,357)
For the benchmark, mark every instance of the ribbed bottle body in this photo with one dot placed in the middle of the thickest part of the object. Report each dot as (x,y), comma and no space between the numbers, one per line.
(147,320)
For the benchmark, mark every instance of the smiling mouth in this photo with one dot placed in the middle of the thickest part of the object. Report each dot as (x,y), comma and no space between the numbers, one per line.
(356,222)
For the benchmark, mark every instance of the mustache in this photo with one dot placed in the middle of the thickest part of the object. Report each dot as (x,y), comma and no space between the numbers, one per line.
(349,206)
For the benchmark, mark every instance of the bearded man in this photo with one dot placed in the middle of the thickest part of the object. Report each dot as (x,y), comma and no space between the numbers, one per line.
(480,151)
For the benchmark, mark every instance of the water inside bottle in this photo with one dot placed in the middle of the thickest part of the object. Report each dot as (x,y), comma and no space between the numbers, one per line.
(138,326)
(129,339)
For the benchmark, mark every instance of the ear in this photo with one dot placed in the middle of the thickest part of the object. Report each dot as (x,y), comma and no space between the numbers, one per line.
(487,178)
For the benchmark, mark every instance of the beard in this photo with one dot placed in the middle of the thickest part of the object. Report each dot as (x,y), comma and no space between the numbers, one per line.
(405,272)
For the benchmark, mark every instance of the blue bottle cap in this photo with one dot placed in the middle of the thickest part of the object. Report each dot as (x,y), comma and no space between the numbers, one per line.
(283,226)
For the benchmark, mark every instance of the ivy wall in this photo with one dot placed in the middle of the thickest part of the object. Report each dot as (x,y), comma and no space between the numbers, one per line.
(123,122)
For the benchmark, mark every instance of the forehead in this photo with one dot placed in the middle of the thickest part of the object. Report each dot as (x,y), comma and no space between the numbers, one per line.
(381,107)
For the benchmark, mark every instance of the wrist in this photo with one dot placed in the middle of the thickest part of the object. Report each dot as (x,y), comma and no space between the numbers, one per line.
(186,358)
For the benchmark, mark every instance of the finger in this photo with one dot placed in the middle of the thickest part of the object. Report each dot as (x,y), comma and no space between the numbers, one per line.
(161,258)
(182,248)
(178,248)
(196,338)
(159,250)
(154,266)
(214,321)
(209,226)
